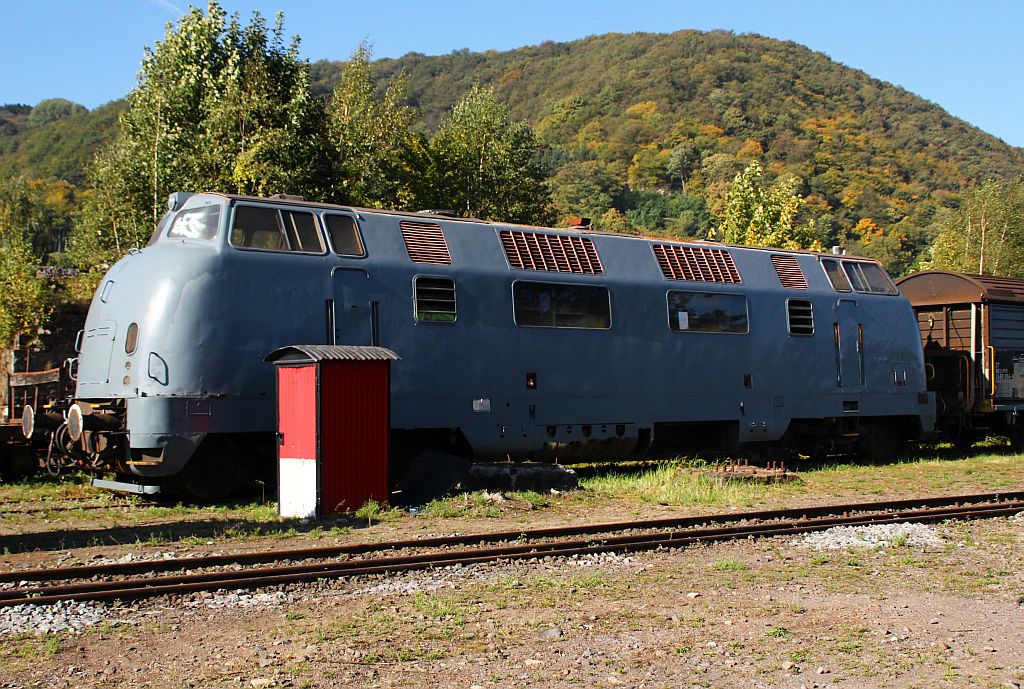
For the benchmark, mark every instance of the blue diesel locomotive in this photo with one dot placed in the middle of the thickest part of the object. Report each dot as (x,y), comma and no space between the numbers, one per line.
(515,342)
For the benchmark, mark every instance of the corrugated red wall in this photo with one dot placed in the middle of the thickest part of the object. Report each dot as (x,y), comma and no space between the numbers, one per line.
(354,420)
(296,409)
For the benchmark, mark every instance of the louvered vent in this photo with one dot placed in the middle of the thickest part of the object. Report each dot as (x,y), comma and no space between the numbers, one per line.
(789,272)
(554,252)
(800,315)
(696,263)
(425,242)
(434,299)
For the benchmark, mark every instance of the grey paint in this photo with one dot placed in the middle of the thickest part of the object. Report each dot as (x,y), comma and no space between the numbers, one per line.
(212,313)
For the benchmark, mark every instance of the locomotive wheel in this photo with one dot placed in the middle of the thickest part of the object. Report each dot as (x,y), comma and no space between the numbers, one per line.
(212,473)
(1015,431)
(882,441)
(963,441)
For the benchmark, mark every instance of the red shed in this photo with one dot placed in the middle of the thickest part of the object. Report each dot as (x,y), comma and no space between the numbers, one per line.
(333,409)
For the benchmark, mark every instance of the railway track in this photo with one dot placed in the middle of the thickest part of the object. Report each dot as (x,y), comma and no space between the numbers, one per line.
(557,542)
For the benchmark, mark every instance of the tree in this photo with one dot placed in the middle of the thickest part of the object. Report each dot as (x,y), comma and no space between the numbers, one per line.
(25,221)
(218,107)
(584,187)
(682,161)
(25,215)
(53,109)
(760,215)
(381,159)
(486,165)
(986,234)
(615,221)
(25,298)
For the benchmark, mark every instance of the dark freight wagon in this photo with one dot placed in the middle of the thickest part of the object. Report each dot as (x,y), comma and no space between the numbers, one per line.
(972,331)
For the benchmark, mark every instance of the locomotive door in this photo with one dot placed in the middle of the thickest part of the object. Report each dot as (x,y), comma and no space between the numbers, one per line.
(356,313)
(849,343)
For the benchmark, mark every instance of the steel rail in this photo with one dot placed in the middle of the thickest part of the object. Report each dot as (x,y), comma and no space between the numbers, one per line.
(263,557)
(154,586)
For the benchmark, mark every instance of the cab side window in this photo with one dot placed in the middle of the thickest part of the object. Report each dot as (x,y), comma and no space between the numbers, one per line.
(344,234)
(271,229)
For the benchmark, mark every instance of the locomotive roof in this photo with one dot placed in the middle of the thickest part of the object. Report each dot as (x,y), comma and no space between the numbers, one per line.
(940,287)
(420,215)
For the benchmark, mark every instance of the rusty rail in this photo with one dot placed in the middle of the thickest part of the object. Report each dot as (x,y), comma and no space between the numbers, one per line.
(961,507)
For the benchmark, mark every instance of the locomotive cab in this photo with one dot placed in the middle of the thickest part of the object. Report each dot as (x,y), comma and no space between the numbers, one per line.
(140,336)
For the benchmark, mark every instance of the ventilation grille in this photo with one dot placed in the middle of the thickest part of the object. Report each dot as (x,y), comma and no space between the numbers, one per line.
(435,299)
(425,242)
(554,252)
(696,263)
(790,274)
(800,315)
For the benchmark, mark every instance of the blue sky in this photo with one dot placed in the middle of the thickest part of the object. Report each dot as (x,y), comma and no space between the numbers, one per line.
(965,57)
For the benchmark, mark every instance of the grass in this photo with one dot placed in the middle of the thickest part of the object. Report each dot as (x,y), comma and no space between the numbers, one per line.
(729,564)
(535,499)
(373,511)
(675,483)
(683,482)
(31,646)
(437,606)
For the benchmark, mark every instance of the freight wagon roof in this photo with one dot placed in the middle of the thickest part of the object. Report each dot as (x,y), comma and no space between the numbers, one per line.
(941,287)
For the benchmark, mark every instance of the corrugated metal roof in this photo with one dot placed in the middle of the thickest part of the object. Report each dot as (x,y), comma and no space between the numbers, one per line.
(311,353)
(938,287)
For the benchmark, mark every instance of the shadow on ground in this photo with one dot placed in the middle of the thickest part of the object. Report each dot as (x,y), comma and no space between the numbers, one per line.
(167,533)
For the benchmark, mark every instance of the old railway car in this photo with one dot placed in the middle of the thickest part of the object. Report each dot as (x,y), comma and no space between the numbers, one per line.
(515,342)
(972,332)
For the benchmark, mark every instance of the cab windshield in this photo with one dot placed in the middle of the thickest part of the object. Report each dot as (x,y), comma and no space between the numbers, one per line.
(195,223)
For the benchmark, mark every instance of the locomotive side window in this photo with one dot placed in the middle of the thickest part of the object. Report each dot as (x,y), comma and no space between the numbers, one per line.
(344,234)
(835,275)
(269,229)
(558,305)
(300,228)
(707,312)
(196,223)
(877,280)
(868,277)
(434,299)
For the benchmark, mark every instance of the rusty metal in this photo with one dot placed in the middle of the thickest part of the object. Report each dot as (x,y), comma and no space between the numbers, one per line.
(550,252)
(773,472)
(940,287)
(425,242)
(262,557)
(186,583)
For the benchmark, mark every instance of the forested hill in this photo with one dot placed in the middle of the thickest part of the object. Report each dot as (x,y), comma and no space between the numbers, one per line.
(654,124)
(54,143)
(618,105)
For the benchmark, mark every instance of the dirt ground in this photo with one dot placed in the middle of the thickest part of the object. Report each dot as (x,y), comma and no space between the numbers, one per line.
(753,614)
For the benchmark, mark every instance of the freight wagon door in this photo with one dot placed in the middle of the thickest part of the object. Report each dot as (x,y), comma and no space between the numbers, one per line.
(355,314)
(1006,324)
(849,344)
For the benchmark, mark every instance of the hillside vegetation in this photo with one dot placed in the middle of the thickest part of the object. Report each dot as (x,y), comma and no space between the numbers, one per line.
(644,132)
